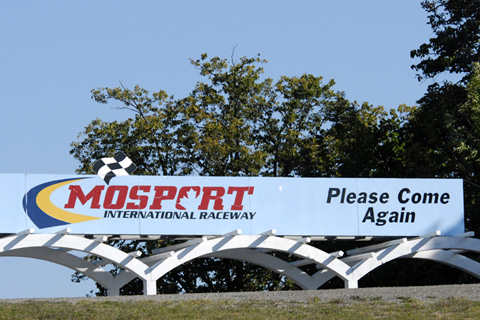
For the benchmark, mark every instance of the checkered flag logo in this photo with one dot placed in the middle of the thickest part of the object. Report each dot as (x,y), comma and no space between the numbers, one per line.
(120,165)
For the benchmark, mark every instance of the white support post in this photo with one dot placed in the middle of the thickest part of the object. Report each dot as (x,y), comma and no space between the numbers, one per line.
(233,233)
(359,257)
(149,287)
(25,232)
(64,231)
(468,234)
(179,246)
(429,235)
(304,240)
(100,239)
(377,247)
(300,263)
(129,237)
(351,284)
(154,261)
(299,239)
(113,292)
(337,254)
(135,254)
(271,232)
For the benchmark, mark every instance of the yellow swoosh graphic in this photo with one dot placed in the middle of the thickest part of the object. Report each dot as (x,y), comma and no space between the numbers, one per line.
(44,203)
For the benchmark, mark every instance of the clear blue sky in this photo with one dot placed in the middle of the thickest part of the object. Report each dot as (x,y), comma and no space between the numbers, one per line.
(54,52)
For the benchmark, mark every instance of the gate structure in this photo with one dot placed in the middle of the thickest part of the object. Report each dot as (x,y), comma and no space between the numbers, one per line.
(349,266)
(198,209)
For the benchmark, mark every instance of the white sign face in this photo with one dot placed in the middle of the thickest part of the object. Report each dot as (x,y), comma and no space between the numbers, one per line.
(150,205)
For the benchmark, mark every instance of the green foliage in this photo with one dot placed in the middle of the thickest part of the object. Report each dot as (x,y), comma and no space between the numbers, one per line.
(443,134)
(238,123)
(443,139)
(360,141)
(455,47)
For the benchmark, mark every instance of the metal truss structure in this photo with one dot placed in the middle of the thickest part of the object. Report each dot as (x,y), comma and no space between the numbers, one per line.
(349,266)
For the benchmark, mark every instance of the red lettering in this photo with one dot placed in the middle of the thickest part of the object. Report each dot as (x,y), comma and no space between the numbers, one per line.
(122,191)
(183,193)
(142,198)
(239,193)
(139,196)
(76,192)
(162,193)
(209,196)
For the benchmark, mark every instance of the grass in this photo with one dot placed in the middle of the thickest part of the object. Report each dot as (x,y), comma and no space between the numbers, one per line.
(406,308)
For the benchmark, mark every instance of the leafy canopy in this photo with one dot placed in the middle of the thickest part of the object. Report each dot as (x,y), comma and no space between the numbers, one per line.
(240,123)
(454,49)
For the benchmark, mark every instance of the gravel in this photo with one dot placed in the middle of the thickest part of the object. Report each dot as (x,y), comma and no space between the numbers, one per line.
(387,294)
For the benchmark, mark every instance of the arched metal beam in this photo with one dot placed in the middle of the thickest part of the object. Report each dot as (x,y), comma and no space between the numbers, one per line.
(450,258)
(41,246)
(413,246)
(433,248)
(93,247)
(299,277)
(214,246)
(65,259)
(302,279)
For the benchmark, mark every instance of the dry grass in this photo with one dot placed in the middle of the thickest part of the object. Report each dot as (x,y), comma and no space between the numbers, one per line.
(407,308)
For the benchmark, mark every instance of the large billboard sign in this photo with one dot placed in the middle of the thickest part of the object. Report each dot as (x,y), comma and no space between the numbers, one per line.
(152,205)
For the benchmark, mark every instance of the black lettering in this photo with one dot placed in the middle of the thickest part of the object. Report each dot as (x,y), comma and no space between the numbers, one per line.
(416,198)
(109,214)
(380,220)
(410,217)
(373,197)
(211,215)
(444,198)
(384,198)
(393,217)
(235,215)
(430,198)
(342,200)
(369,215)
(362,197)
(351,197)
(332,192)
(401,198)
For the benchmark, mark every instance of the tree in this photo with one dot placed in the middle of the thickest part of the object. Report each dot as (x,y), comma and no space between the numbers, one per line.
(238,123)
(455,47)
(151,137)
(440,138)
(359,141)
(443,135)
(444,139)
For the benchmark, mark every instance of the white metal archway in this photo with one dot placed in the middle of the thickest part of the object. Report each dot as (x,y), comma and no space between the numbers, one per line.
(350,266)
